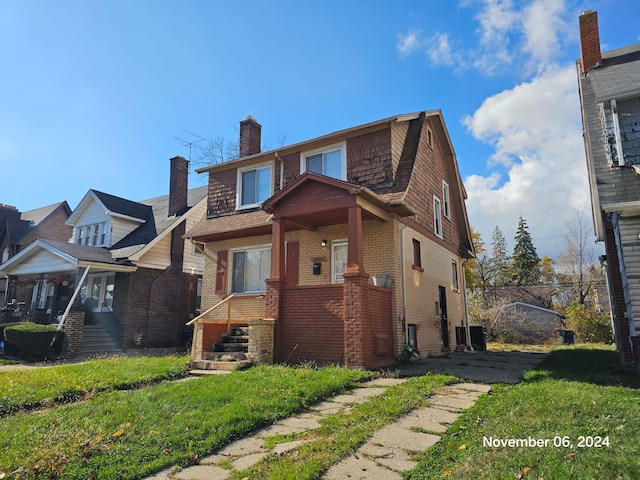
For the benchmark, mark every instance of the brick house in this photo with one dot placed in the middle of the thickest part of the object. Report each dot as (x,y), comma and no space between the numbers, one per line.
(19,229)
(339,249)
(126,279)
(609,88)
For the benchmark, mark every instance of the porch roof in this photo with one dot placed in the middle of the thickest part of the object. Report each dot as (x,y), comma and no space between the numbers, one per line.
(48,256)
(310,201)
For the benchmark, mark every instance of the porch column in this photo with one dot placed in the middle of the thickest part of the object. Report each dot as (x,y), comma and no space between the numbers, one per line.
(354,252)
(73,329)
(277,280)
(277,249)
(356,300)
(356,295)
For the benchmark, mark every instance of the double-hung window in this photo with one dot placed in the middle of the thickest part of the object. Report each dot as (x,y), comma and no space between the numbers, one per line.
(250,269)
(437,216)
(254,185)
(446,200)
(329,161)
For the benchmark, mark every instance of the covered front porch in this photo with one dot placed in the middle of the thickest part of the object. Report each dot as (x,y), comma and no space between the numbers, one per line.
(71,286)
(320,304)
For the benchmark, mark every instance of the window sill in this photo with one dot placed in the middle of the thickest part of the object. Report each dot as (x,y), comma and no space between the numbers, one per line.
(419,269)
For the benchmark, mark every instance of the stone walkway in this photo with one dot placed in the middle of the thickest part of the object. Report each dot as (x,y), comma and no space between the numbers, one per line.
(387,453)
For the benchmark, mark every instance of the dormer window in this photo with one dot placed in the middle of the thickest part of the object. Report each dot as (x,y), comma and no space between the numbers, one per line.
(329,161)
(254,185)
(94,234)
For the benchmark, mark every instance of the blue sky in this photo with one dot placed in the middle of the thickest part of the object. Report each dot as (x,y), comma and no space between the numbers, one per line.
(93,93)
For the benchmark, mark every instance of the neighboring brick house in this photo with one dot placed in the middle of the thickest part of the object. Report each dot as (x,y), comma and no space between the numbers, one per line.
(609,88)
(339,249)
(19,229)
(126,268)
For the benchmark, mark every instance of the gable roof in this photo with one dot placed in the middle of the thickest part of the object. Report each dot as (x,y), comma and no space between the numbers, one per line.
(70,254)
(16,225)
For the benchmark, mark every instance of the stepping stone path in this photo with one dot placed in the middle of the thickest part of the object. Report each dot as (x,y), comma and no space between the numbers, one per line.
(387,453)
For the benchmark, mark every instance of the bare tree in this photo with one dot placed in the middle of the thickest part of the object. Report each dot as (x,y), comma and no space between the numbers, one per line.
(577,268)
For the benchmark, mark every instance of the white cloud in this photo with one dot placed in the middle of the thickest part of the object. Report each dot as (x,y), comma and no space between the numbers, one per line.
(535,128)
(408,43)
(530,32)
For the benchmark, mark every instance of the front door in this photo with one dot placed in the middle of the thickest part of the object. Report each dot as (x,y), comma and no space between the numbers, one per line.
(444,324)
(99,292)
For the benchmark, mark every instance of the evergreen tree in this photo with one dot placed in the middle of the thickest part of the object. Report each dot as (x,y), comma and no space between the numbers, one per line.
(525,263)
(500,259)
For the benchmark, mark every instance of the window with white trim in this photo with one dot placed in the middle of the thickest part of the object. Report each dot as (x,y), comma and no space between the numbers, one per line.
(94,234)
(329,161)
(254,186)
(445,199)
(198,248)
(250,269)
(339,256)
(437,216)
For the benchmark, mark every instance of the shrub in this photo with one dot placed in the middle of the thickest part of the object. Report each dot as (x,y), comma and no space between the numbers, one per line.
(32,340)
(590,325)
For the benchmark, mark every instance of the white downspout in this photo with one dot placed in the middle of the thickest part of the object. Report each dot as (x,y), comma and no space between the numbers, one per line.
(404,281)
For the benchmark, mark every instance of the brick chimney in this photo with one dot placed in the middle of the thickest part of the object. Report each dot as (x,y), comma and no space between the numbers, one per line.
(590,54)
(250,131)
(178,184)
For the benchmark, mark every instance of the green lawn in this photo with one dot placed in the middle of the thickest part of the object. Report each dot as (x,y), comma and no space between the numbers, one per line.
(130,434)
(117,419)
(22,389)
(579,404)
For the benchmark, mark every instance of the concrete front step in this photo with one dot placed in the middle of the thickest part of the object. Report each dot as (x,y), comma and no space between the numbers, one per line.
(212,365)
(217,356)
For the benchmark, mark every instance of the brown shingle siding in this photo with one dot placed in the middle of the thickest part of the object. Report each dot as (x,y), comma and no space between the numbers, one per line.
(369,159)
(222,192)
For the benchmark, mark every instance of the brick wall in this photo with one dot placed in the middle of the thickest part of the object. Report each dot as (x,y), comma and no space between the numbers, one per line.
(311,326)
(378,327)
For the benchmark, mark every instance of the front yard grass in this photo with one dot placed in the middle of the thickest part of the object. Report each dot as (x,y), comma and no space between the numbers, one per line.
(46,386)
(579,401)
(131,434)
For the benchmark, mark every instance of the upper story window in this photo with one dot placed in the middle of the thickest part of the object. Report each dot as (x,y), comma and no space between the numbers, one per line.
(620,119)
(5,255)
(445,199)
(254,185)
(437,216)
(329,161)
(95,234)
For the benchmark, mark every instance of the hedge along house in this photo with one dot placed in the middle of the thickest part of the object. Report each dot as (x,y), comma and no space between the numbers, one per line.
(126,280)
(340,249)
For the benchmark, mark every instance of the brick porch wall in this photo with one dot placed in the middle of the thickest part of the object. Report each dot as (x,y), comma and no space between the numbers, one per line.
(312,319)
(379,344)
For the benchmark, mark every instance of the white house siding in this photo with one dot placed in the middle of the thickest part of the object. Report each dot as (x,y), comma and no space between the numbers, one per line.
(630,239)
(43,261)
(159,256)
(94,213)
(194,262)
(120,228)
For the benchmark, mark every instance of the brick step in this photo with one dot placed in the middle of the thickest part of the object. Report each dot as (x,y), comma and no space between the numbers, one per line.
(234,339)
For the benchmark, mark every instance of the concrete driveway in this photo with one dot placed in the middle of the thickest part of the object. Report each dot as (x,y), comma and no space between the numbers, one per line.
(485,367)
